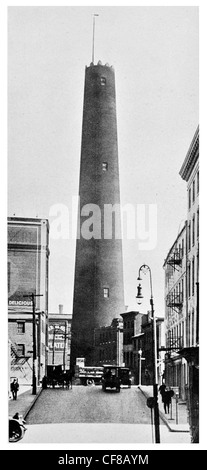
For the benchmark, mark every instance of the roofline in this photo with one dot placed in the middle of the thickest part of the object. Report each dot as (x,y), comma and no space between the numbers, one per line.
(127,313)
(191,157)
(26,219)
(178,236)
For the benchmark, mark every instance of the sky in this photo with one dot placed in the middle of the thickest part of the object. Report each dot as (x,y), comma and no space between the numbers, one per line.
(154,51)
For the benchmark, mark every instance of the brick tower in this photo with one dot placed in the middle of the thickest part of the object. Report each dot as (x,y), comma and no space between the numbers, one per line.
(98,283)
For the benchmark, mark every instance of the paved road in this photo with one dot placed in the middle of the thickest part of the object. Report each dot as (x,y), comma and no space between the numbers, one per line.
(88,415)
(90,405)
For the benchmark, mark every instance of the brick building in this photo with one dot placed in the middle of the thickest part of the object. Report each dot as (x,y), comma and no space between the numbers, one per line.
(28,260)
(143,346)
(109,343)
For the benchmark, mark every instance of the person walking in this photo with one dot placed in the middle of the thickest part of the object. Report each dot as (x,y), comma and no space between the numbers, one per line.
(14,388)
(166,398)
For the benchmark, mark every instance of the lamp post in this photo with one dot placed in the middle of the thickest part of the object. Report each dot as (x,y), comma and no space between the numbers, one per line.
(145,268)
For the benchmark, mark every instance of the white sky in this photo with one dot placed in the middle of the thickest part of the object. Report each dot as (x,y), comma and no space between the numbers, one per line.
(154,51)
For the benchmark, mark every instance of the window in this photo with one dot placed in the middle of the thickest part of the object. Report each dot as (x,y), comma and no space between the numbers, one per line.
(198,223)
(20,327)
(189,236)
(197,268)
(198,182)
(189,329)
(182,289)
(103,81)
(183,246)
(193,191)
(193,230)
(189,280)
(192,327)
(106,292)
(193,275)
(189,199)
(20,349)
(104,166)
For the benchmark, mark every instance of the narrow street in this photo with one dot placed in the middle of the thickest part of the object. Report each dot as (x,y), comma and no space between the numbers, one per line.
(90,405)
(87,414)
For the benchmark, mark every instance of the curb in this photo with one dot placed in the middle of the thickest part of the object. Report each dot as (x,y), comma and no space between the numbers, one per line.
(164,419)
(32,404)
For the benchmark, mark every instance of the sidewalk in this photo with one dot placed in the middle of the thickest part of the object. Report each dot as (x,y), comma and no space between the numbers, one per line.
(25,401)
(177,419)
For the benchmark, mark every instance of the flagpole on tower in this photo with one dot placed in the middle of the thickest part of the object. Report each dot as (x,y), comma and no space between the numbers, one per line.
(94,17)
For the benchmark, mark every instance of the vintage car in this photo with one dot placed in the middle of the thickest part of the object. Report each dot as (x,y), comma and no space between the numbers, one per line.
(111,378)
(124,375)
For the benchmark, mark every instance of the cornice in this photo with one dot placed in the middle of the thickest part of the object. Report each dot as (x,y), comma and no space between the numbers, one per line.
(191,157)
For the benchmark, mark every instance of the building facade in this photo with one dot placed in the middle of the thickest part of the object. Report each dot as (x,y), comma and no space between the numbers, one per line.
(28,266)
(143,351)
(109,343)
(175,267)
(59,339)
(132,322)
(190,173)
(98,285)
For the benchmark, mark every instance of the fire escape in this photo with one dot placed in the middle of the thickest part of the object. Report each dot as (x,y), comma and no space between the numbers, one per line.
(19,363)
(174,297)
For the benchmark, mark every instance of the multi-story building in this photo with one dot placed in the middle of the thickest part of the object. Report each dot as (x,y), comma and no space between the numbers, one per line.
(132,321)
(28,260)
(59,339)
(109,343)
(143,351)
(175,313)
(190,173)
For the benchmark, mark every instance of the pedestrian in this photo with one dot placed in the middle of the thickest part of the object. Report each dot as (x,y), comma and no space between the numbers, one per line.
(44,382)
(167,396)
(162,389)
(69,379)
(14,388)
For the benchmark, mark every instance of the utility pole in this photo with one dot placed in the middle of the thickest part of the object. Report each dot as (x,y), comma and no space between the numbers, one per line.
(145,268)
(34,372)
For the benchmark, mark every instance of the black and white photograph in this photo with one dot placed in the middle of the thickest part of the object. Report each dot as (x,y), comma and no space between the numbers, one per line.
(103,227)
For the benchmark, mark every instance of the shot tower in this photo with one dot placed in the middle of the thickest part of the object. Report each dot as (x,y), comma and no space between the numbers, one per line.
(98,283)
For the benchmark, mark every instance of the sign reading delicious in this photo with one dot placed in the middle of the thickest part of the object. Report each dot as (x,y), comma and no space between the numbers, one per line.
(22,303)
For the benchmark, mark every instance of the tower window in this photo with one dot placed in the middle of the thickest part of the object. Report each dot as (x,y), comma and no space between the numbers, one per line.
(104,166)
(103,81)
(20,327)
(106,292)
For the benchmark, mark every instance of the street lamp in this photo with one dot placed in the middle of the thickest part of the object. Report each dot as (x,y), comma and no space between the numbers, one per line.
(145,268)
